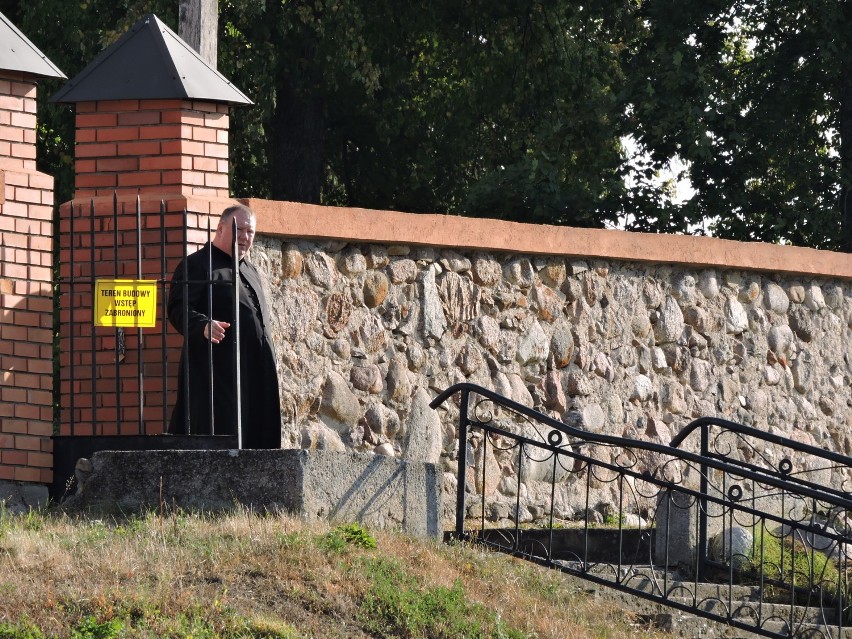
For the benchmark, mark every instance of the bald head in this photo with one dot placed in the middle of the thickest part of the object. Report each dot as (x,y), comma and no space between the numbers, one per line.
(246,223)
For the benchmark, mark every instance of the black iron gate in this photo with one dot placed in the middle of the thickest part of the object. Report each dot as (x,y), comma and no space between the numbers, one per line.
(116,386)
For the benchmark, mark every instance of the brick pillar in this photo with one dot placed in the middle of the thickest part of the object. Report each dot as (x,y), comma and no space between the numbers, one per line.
(26,294)
(151,146)
(174,151)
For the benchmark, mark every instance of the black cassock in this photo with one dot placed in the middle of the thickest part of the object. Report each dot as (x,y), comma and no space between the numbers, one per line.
(261,414)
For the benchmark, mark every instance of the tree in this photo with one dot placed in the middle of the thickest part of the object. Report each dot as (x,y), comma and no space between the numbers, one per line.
(750,95)
(499,109)
(519,109)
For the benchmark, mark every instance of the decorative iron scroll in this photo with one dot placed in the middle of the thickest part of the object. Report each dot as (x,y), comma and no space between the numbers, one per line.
(733,524)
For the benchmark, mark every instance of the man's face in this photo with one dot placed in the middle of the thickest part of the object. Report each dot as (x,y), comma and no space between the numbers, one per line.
(245,233)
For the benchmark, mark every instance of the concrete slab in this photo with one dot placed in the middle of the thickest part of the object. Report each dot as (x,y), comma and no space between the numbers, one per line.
(380,492)
(19,497)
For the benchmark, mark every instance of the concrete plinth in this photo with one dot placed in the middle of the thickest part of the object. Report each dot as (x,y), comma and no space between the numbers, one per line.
(18,497)
(380,492)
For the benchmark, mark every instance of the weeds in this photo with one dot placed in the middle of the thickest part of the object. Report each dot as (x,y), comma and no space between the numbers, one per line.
(248,576)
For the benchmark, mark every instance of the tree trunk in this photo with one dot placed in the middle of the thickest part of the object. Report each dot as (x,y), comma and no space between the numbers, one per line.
(199,24)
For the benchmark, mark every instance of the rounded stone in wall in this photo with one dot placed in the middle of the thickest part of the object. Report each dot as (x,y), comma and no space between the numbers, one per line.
(291,262)
(700,375)
(801,322)
(377,255)
(684,288)
(749,293)
(576,383)
(339,407)
(708,284)
(519,272)
(486,271)
(375,289)
(643,388)
(775,299)
(321,269)
(454,262)
(533,345)
(780,340)
(640,324)
(696,317)
(553,392)
(469,359)
(403,270)
(548,303)
(814,298)
(796,293)
(562,344)
(398,381)
(367,378)
(736,319)
(669,325)
(572,289)
(353,263)
(553,273)
(487,331)
(299,308)
(834,297)
(672,398)
(338,308)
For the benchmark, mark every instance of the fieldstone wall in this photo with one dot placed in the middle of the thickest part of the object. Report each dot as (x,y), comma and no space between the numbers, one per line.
(368,334)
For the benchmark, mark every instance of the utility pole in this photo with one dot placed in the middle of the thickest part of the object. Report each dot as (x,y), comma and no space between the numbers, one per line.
(198,27)
(846,136)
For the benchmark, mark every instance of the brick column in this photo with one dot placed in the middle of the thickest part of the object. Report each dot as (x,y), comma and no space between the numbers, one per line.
(26,294)
(174,151)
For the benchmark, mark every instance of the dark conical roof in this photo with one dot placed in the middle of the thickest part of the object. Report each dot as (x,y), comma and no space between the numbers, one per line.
(151,62)
(17,53)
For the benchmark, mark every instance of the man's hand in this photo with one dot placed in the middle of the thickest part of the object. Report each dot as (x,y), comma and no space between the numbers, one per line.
(215,331)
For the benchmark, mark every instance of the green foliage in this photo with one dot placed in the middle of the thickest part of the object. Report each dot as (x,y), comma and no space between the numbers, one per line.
(344,535)
(749,95)
(15,631)
(397,606)
(790,561)
(91,628)
(517,110)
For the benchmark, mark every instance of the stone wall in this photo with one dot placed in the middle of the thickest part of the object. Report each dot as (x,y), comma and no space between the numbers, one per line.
(367,334)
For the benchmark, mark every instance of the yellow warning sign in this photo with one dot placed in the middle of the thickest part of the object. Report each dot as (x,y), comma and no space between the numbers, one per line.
(126,303)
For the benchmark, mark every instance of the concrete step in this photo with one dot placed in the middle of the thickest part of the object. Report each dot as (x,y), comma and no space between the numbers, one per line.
(745,607)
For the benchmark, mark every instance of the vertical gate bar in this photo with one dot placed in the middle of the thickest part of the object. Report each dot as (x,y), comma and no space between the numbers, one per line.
(164,352)
(236,328)
(185,376)
(482,501)
(462,461)
(119,332)
(586,517)
(620,526)
(518,498)
(94,330)
(71,325)
(701,555)
(552,501)
(210,330)
(140,375)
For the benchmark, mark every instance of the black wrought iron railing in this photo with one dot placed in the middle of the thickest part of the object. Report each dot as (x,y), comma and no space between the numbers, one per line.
(732,524)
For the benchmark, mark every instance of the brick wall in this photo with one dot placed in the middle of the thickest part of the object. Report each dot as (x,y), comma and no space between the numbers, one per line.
(151,146)
(26,296)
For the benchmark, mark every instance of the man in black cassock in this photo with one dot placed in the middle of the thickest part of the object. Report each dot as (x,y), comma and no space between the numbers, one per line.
(188,299)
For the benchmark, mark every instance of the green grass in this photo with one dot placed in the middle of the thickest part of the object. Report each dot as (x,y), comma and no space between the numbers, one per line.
(250,576)
(789,561)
